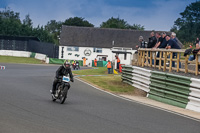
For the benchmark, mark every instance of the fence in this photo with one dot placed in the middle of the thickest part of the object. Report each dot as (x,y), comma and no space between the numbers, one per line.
(172,89)
(30,44)
(165,59)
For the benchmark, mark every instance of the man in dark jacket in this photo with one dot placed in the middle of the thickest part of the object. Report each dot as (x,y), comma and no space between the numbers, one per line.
(152,40)
(63,70)
(172,45)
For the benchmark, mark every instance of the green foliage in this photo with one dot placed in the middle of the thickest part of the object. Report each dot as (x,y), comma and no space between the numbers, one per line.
(120,24)
(77,21)
(187,26)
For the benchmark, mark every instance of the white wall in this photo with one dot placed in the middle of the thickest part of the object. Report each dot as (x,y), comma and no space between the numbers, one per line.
(15,53)
(22,54)
(105,51)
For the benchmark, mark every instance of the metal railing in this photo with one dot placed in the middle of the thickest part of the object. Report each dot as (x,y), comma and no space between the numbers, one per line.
(166,59)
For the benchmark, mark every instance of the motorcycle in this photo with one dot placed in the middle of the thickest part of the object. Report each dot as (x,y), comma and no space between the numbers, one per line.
(61,89)
(77,66)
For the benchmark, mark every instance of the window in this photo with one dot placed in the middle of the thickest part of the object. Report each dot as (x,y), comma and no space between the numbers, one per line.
(125,56)
(97,50)
(72,48)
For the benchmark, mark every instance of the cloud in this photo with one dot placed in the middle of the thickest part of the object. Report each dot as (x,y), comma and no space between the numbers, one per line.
(153,14)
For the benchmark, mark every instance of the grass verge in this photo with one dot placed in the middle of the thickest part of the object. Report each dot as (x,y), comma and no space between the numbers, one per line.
(12,59)
(96,71)
(109,82)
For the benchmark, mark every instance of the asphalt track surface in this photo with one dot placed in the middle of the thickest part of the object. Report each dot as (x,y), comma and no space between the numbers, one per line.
(26,107)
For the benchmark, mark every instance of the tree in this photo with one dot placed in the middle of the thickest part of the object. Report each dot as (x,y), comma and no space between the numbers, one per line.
(120,24)
(77,21)
(10,23)
(115,23)
(188,25)
(136,27)
(53,26)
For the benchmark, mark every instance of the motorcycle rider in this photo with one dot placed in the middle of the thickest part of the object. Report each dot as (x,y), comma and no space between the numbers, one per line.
(63,70)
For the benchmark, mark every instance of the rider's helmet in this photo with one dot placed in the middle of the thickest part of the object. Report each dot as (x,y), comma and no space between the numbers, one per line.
(67,65)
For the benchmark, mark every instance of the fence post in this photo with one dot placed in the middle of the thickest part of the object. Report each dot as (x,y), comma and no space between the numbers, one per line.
(155,60)
(170,64)
(143,58)
(196,64)
(165,61)
(151,58)
(178,60)
(186,64)
(160,60)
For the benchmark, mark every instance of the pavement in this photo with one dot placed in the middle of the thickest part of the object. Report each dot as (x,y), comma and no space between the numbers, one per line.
(26,107)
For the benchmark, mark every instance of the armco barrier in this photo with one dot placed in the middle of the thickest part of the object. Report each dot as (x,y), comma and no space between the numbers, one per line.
(40,56)
(194,103)
(137,77)
(23,54)
(15,53)
(168,88)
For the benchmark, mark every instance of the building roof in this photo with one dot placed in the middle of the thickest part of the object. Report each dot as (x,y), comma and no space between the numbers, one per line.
(101,37)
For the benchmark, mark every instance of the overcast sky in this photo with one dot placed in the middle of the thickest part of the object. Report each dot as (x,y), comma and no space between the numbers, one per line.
(152,14)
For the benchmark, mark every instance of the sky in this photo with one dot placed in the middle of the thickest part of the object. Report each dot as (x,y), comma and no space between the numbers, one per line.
(152,14)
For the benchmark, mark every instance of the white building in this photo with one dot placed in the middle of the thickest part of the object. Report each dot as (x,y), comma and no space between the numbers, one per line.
(77,43)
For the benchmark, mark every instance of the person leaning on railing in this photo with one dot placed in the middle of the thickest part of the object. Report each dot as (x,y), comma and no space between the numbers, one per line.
(192,57)
(172,45)
(161,44)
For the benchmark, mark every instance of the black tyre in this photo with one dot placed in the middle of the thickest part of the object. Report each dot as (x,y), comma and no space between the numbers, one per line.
(63,95)
(53,99)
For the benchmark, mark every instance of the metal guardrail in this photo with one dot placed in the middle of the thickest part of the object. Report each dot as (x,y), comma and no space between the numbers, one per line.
(172,89)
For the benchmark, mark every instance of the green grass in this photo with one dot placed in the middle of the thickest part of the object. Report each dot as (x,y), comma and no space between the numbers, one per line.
(111,83)
(12,59)
(98,71)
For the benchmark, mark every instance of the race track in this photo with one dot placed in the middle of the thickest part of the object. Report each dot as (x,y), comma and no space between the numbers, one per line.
(26,107)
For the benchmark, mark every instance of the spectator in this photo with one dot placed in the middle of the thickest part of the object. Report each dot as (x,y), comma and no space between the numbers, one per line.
(164,42)
(173,37)
(162,45)
(109,66)
(192,57)
(118,62)
(152,40)
(142,43)
(172,45)
(159,40)
(95,62)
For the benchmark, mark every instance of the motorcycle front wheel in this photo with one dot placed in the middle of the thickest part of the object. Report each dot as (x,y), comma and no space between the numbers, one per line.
(63,95)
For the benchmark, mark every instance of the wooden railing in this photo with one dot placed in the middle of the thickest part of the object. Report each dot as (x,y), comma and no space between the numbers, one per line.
(148,57)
